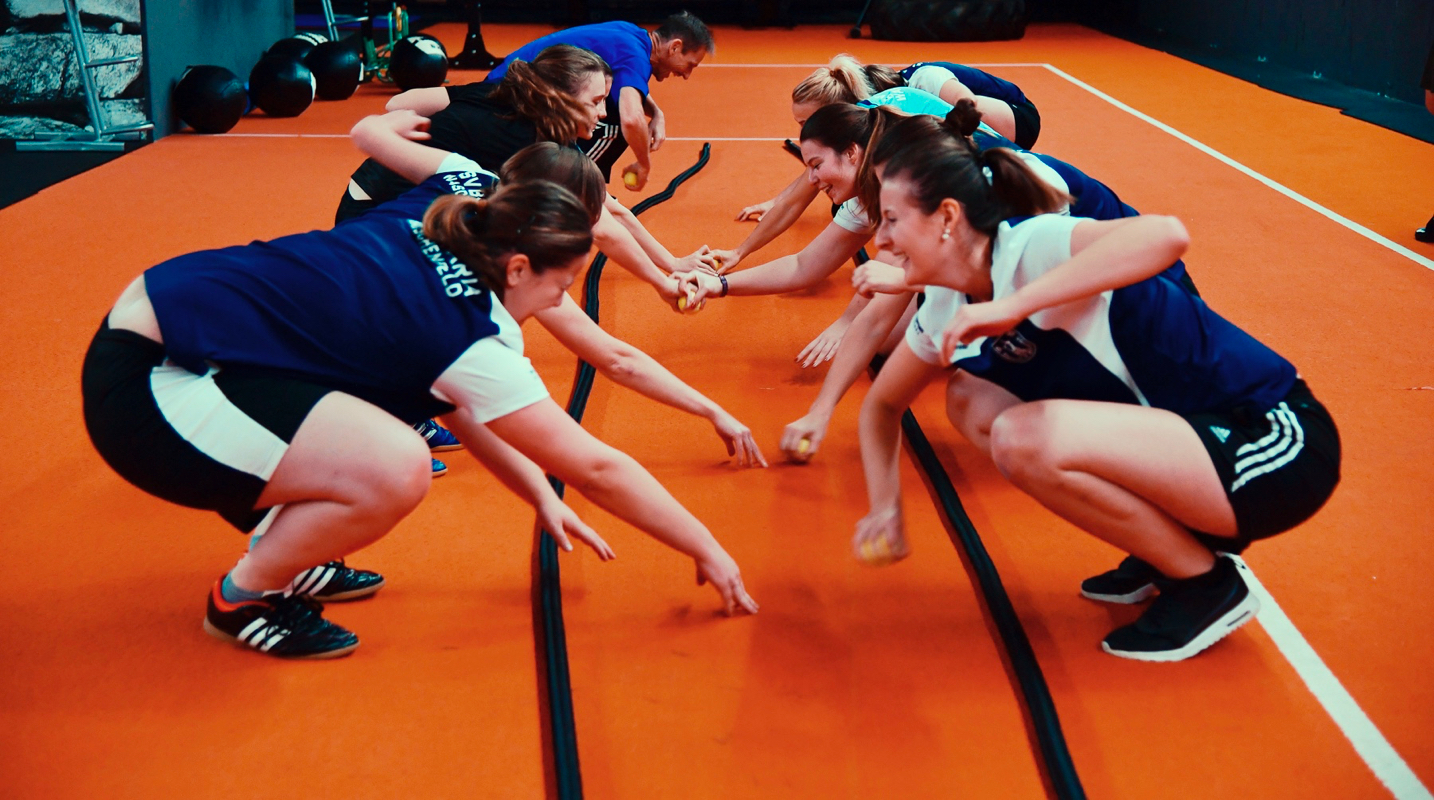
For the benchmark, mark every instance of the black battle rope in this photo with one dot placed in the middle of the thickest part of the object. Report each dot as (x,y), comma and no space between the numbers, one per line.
(1060,771)
(552,640)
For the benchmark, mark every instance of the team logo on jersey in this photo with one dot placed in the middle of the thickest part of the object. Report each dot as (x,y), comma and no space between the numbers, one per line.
(470,184)
(1013,347)
(1220,433)
(457,279)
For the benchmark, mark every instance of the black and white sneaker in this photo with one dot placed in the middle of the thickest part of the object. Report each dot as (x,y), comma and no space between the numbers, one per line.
(336,581)
(1134,581)
(1188,616)
(284,625)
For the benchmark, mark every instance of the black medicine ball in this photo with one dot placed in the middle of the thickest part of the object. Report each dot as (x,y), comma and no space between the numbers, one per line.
(281,87)
(418,62)
(210,99)
(337,68)
(296,47)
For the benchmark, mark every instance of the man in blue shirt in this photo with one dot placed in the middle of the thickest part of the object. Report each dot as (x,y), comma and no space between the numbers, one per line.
(636,56)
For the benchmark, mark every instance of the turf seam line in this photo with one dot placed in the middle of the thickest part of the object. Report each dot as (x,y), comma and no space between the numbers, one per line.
(1054,754)
(552,643)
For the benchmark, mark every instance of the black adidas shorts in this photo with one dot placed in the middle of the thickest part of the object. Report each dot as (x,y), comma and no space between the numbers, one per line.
(1028,124)
(203,441)
(1277,468)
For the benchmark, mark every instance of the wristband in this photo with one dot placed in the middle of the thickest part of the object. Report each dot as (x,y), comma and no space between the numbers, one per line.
(723,278)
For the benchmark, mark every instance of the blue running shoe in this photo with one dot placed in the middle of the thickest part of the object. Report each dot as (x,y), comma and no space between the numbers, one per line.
(438,437)
(439,468)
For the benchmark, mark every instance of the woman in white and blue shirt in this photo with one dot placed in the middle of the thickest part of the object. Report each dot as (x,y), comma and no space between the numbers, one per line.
(1137,413)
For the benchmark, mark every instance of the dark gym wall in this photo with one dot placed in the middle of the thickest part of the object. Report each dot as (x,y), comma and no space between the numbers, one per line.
(226,33)
(1376,45)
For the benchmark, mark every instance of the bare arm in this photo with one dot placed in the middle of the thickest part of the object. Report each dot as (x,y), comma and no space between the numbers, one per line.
(544,433)
(424,102)
(1105,255)
(619,245)
(628,366)
(635,131)
(832,247)
(525,479)
(901,379)
(786,210)
(655,250)
(861,343)
(394,140)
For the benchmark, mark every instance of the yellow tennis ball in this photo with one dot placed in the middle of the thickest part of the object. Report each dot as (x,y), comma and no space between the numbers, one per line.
(683,306)
(717,261)
(804,446)
(630,179)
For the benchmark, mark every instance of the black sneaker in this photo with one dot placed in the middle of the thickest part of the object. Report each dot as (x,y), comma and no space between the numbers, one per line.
(335,581)
(1188,616)
(1131,582)
(284,625)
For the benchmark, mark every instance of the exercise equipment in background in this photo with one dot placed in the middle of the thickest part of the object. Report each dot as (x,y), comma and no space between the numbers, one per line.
(281,87)
(337,68)
(418,62)
(210,99)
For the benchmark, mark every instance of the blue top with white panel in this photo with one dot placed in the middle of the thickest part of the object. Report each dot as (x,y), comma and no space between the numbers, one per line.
(931,78)
(372,308)
(1151,343)
(625,47)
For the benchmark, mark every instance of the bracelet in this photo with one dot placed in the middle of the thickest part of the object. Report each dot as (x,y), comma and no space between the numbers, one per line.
(723,278)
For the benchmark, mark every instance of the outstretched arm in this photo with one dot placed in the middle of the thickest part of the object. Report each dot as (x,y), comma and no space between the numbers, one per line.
(628,366)
(861,343)
(832,247)
(654,249)
(631,113)
(787,208)
(545,434)
(880,535)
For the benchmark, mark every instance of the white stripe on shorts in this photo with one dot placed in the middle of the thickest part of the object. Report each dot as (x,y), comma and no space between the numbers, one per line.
(200,413)
(1280,448)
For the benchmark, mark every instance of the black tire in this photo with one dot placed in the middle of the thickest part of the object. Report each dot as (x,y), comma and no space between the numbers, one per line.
(948,20)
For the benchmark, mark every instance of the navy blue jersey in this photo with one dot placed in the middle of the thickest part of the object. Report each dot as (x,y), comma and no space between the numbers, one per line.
(372,308)
(982,83)
(1151,343)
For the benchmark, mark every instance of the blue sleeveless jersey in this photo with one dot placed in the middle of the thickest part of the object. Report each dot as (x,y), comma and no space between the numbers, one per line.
(372,308)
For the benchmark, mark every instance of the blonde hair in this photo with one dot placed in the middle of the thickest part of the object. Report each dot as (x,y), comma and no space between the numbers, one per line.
(842,80)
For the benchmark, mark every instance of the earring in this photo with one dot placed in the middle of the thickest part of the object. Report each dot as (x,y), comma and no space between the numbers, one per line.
(946,234)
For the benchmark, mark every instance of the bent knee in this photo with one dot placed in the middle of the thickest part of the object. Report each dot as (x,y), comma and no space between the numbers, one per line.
(1020,440)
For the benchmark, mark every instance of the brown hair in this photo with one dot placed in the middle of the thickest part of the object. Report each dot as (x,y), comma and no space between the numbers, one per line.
(544,91)
(841,81)
(841,125)
(566,166)
(940,160)
(882,77)
(693,33)
(539,219)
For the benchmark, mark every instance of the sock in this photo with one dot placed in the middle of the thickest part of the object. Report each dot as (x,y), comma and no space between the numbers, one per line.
(234,594)
(253,540)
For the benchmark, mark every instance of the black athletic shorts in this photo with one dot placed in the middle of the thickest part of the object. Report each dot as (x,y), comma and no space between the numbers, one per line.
(350,207)
(204,441)
(1428,82)
(1277,468)
(1028,124)
(607,143)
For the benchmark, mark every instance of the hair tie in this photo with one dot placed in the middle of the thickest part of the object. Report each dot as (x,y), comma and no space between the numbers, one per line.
(986,171)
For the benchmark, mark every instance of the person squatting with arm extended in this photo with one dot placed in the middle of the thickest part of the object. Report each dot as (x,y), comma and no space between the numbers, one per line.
(637,56)
(282,377)
(1136,412)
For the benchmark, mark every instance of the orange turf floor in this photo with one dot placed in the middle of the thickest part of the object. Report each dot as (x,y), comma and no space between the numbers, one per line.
(852,682)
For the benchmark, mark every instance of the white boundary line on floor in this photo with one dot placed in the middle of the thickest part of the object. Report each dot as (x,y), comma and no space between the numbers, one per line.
(1281,188)
(1381,757)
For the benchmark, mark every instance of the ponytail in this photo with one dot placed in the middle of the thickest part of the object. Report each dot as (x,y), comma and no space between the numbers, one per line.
(539,219)
(568,167)
(882,77)
(939,159)
(544,91)
(843,80)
